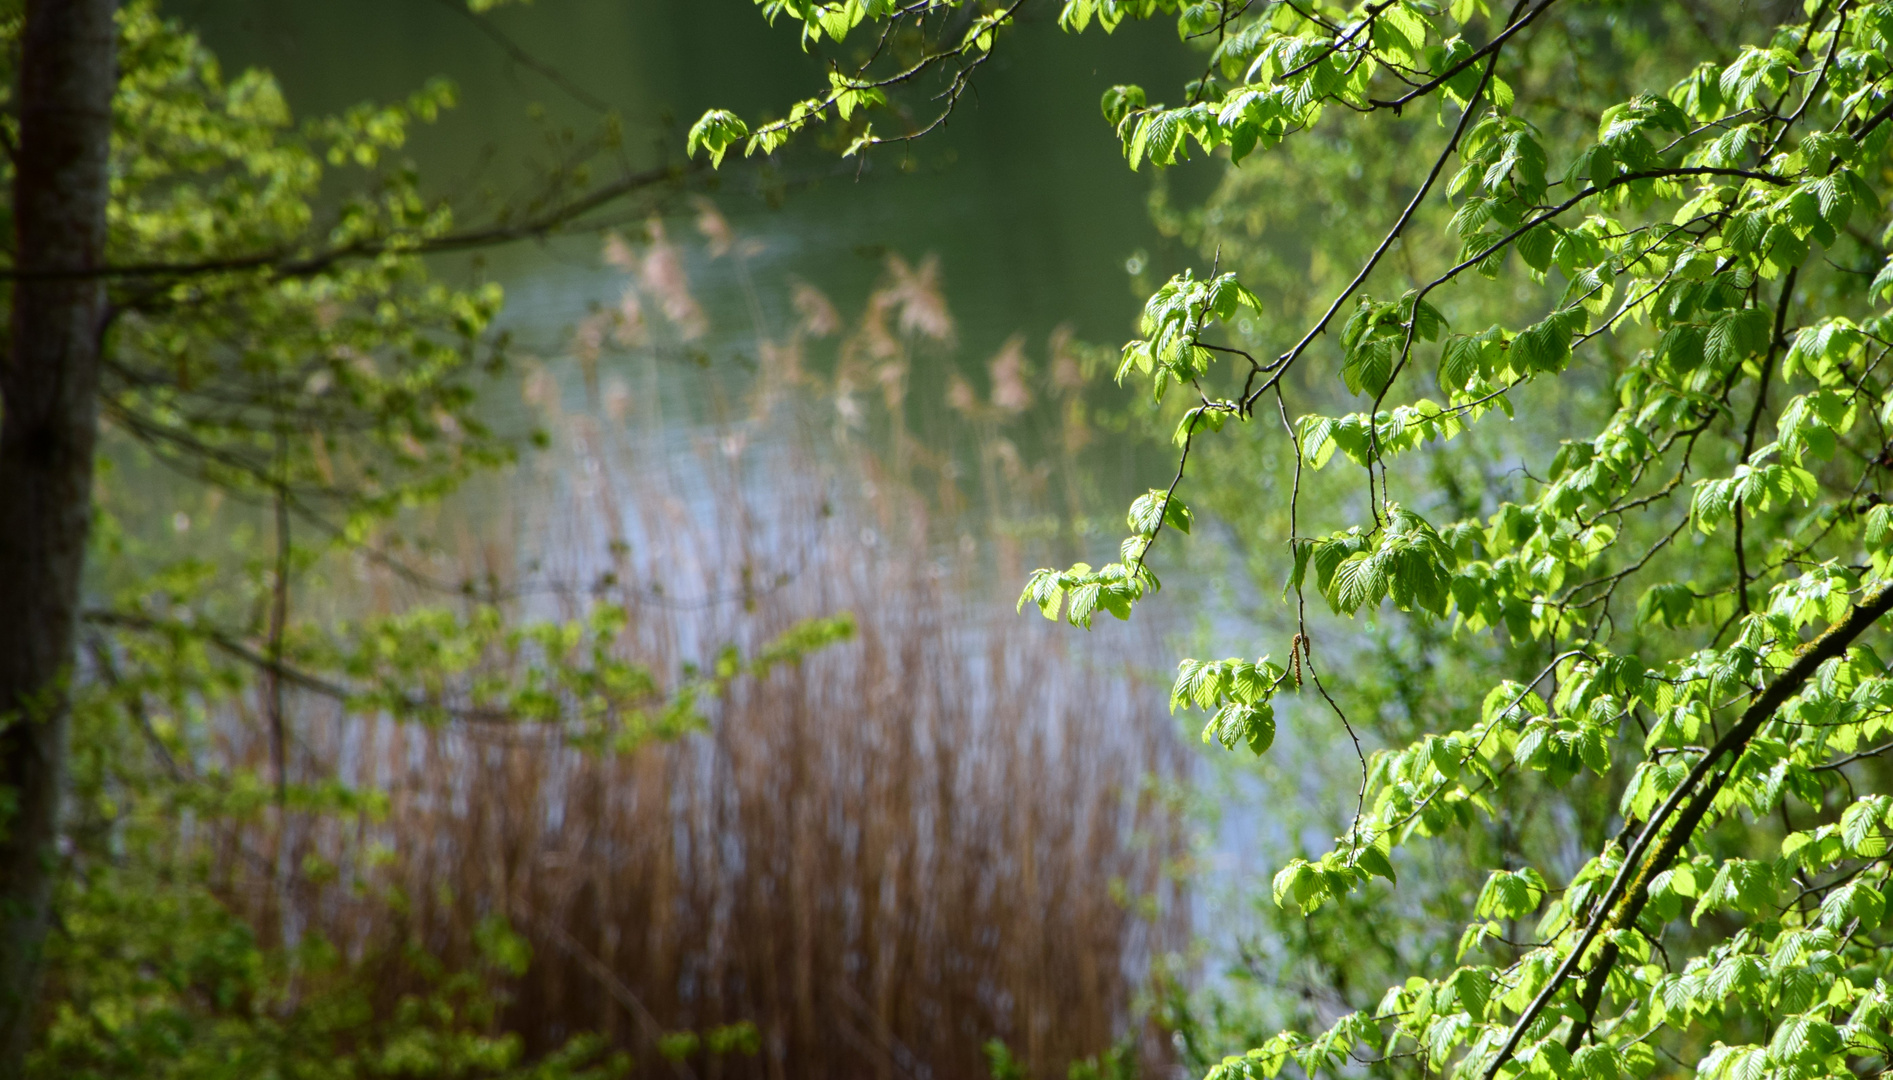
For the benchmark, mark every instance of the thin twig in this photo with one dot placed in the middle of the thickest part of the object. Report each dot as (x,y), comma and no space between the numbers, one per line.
(278,625)
(525,59)
(1748,436)
(1281,364)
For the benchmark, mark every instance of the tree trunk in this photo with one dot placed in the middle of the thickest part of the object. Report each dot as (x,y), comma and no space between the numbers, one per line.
(48,425)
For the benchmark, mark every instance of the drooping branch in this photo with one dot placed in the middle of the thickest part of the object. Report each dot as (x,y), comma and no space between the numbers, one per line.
(282,264)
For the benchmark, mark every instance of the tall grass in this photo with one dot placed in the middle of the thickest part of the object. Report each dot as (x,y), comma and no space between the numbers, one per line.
(950,829)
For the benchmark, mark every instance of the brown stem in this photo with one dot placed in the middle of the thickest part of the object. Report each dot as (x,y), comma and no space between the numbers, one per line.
(1754,422)
(278,622)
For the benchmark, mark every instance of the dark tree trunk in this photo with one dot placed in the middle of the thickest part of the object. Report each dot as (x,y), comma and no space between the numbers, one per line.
(48,424)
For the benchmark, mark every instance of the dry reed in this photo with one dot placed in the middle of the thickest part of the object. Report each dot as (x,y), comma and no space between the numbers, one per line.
(947,830)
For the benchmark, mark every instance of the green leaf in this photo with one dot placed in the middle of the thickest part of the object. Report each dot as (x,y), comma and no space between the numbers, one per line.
(1536,245)
(715,132)
(1375,862)
(1511,894)
(1670,601)
(1736,335)
(1803,1039)
(1120,102)
(1155,508)
(1544,347)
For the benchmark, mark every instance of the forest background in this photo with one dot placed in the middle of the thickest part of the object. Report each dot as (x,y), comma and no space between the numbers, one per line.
(551,616)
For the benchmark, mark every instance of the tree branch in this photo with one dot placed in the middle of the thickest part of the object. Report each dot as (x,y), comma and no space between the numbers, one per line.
(1831,643)
(289,264)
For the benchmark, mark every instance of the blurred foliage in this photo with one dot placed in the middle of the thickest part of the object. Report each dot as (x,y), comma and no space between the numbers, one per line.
(280,344)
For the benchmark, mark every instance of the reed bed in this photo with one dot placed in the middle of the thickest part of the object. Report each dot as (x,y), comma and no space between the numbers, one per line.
(951,828)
